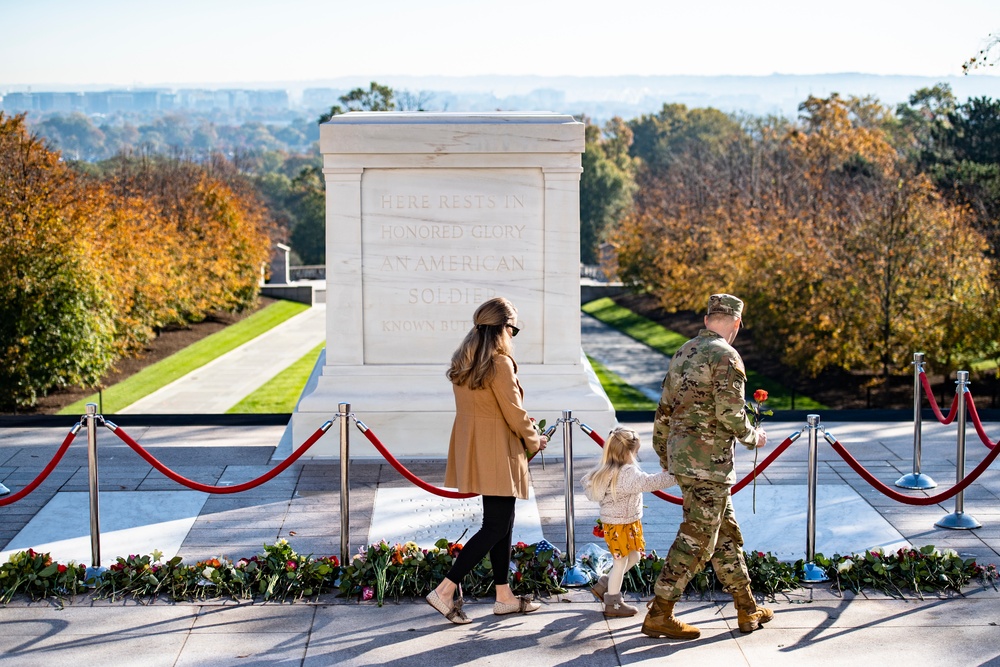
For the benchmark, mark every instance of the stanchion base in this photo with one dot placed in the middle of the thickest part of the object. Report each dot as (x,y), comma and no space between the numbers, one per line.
(575,577)
(811,574)
(93,576)
(958,521)
(4,490)
(916,480)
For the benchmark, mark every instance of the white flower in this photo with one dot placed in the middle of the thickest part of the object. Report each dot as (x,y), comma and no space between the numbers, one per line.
(845,566)
(207,572)
(950,553)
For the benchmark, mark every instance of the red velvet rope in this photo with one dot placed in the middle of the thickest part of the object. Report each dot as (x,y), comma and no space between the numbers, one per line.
(785,444)
(13,498)
(978,424)
(401,469)
(911,500)
(934,406)
(678,500)
(208,488)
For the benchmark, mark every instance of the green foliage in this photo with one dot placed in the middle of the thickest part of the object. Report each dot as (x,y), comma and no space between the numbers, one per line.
(606,185)
(38,576)
(924,570)
(846,255)
(377,97)
(92,265)
(379,570)
(401,570)
(54,328)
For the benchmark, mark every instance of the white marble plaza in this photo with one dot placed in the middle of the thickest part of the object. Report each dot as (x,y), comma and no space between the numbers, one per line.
(412,514)
(131,522)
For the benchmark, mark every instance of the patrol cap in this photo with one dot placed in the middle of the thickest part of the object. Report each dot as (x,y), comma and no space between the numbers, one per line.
(725,304)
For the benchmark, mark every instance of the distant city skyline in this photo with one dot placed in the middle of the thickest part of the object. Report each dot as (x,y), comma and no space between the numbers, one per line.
(58,43)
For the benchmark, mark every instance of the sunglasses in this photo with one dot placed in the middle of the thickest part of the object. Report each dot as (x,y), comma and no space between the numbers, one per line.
(513,330)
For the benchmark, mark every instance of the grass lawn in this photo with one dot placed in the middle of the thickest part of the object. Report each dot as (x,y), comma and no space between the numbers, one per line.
(280,394)
(162,373)
(659,338)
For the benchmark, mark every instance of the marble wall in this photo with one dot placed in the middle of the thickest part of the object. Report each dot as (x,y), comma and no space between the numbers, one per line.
(429,215)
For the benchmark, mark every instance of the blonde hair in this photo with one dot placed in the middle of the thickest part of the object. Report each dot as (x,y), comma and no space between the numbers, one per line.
(621,449)
(472,365)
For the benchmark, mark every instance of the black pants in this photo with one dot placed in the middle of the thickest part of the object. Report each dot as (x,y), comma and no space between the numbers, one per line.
(493,538)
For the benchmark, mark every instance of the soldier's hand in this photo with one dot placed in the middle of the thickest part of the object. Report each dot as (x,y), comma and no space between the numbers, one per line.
(761,437)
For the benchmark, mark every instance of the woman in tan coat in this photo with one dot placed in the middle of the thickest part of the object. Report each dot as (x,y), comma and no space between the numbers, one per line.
(491,441)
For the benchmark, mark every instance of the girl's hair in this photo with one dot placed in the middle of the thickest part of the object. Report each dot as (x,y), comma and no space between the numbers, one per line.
(472,364)
(621,449)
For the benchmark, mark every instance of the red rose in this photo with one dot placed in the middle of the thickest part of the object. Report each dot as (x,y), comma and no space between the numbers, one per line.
(521,545)
(61,568)
(760,395)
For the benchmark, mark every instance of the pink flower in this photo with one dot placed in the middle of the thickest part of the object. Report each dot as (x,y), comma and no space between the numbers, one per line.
(367,593)
(291,565)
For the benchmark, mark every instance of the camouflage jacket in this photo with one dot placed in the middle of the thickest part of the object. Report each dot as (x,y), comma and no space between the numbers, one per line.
(702,410)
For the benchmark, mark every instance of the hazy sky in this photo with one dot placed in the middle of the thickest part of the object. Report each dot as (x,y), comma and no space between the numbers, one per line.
(133,42)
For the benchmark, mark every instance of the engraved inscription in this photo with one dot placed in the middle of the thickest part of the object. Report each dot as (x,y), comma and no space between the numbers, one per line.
(451,201)
(453,263)
(432,232)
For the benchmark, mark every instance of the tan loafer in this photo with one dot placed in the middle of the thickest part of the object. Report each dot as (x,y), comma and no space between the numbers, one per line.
(452,612)
(524,605)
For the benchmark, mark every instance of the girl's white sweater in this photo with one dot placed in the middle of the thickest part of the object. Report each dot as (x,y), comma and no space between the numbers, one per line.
(626,506)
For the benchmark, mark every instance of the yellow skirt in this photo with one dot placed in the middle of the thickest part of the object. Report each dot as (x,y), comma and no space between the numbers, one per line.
(624,537)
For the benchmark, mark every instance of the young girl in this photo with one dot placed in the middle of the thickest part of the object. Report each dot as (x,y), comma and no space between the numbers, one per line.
(617,484)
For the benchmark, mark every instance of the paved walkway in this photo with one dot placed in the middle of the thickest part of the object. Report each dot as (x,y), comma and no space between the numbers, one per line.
(145,510)
(221,384)
(639,365)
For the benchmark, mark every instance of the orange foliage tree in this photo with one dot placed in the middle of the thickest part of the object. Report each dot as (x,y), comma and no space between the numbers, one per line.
(92,267)
(846,256)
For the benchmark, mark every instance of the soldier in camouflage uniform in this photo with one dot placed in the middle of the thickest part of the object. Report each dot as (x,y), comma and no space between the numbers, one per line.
(700,417)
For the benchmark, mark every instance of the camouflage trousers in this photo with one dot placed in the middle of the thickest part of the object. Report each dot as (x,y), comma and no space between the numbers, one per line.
(708,532)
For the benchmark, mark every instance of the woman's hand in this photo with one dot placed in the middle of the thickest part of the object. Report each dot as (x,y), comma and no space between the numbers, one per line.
(544,441)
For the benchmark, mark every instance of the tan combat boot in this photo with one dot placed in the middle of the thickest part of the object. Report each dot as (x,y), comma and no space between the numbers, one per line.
(749,615)
(660,622)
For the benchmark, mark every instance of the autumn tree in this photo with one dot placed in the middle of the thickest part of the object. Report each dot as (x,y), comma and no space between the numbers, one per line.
(988,56)
(606,185)
(92,266)
(842,250)
(54,330)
